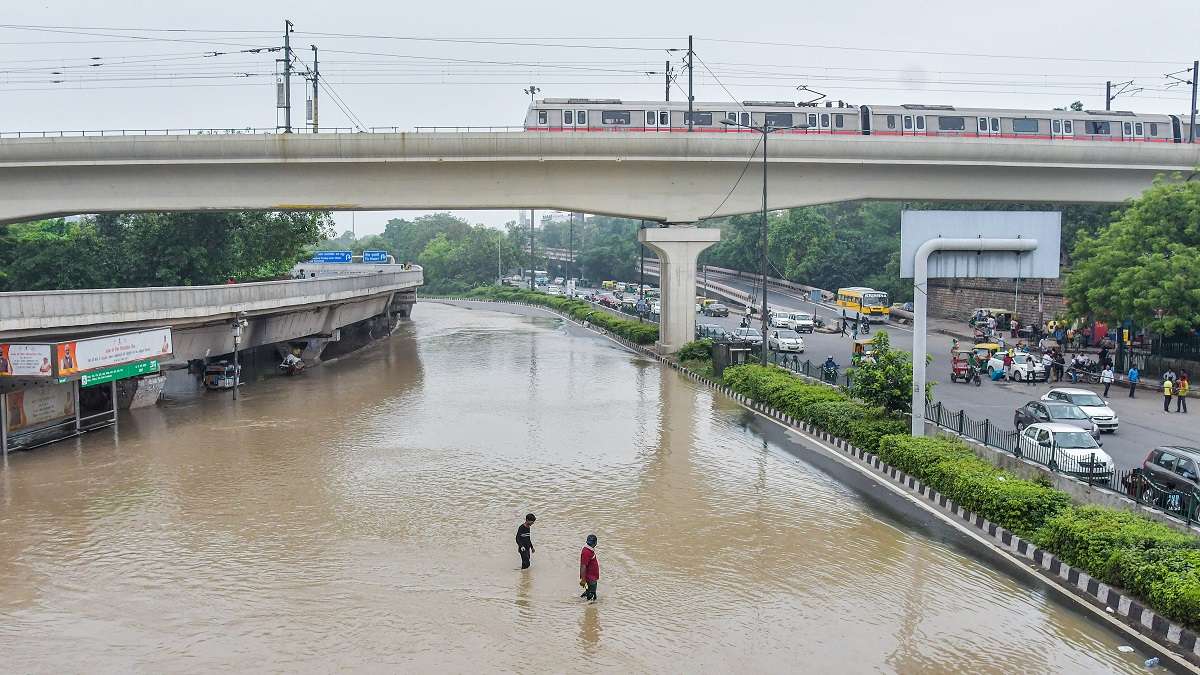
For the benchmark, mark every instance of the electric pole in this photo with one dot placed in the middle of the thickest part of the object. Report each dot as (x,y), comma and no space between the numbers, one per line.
(1195,78)
(690,70)
(287,76)
(532,262)
(1108,95)
(316,80)
(667,73)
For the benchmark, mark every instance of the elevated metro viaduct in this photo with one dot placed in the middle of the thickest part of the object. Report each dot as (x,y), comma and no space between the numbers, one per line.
(672,179)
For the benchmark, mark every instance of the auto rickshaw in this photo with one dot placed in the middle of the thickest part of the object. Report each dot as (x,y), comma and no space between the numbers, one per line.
(960,367)
(221,375)
(864,350)
(984,351)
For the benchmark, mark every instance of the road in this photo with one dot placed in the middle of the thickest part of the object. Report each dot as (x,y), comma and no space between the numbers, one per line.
(1143,423)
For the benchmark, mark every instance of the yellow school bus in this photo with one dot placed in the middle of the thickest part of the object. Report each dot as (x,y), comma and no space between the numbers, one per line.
(870,303)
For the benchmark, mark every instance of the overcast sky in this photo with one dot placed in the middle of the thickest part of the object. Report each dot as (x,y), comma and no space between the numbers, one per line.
(474,57)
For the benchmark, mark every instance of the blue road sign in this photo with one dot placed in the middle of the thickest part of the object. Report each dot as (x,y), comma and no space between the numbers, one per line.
(332,257)
(375,256)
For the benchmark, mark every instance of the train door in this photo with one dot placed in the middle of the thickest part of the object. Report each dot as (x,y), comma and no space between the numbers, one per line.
(823,122)
(1139,131)
(651,120)
(568,120)
(908,126)
(581,120)
(664,120)
(988,126)
(745,119)
(812,122)
(1062,128)
(919,124)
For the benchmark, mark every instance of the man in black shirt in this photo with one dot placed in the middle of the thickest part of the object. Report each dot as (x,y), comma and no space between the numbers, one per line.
(524,543)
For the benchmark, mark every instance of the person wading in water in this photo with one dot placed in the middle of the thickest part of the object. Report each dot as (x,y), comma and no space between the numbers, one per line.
(524,543)
(589,569)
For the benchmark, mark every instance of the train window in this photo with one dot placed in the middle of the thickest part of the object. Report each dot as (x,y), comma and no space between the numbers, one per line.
(891,121)
(664,119)
(812,121)
(1095,128)
(1154,128)
(839,120)
(1068,127)
(622,117)
(568,118)
(731,116)
(778,119)
(920,123)
(1056,126)
(650,117)
(824,120)
(1025,126)
(1127,127)
(951,123)
(581,117)
(701,118)
(541,117)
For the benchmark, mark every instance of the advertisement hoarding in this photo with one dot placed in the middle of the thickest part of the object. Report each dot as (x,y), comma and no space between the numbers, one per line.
(39,405)
(25,360)
(112,350)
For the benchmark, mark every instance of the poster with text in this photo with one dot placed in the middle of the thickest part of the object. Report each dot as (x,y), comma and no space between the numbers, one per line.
(39,405)
(112,350)
(25,360)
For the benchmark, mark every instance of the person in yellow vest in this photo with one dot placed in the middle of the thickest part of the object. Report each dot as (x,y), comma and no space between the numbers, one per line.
(1168,389)
(1181,391)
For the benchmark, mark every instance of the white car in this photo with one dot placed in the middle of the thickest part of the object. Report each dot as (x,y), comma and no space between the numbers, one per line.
(1065,448)
(785,340)
(1094,406)
(1023,366)
(800,322)
(656,309)
(553,290)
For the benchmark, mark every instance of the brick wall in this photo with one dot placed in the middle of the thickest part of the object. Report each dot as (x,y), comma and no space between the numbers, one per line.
(957,298)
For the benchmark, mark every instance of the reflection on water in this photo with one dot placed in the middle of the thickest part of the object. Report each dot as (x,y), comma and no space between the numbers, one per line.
(362,517)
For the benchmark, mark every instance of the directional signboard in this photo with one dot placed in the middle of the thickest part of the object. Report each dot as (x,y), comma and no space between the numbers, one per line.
(375,256)
(118,372)
(332,257)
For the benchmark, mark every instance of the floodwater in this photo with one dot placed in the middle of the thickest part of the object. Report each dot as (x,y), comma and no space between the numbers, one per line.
(362,517)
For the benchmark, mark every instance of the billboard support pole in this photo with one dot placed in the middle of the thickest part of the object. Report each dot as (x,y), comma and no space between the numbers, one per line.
(4,425)
(75,386)
(920,302)
(113,392)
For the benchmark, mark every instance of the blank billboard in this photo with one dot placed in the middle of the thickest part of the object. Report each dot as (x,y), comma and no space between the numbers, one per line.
(918,227)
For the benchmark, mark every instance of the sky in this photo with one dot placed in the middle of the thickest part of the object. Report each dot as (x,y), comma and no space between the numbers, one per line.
(466,63)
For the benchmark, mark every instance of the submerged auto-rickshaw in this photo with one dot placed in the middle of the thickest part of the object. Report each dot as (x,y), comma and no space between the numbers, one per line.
(221,375)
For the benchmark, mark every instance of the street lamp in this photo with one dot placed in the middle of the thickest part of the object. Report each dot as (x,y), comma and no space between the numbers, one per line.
(766,130)
(238,323)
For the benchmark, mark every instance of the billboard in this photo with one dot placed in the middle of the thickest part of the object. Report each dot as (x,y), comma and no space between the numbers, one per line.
(111,350)
(25,360)
(918,227)
(38,405)
(332,257)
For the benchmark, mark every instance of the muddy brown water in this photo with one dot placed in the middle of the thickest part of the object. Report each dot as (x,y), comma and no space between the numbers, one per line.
(361,517)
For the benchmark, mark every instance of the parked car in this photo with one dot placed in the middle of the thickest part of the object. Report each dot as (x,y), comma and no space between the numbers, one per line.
(785,340)
(1023,365)
(1065,448)
(1173,467)
(1054,411)
(750,335)
(1095,407)
(716,309)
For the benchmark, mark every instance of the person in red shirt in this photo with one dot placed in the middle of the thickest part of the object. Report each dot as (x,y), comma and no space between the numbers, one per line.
(589,569)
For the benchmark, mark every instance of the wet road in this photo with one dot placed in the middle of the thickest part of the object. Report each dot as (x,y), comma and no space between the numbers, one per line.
(361,517)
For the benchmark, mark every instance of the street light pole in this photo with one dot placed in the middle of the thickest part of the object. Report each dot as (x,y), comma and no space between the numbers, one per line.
(642,277)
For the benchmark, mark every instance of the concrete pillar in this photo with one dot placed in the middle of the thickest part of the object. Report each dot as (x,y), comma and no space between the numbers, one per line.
(677,247)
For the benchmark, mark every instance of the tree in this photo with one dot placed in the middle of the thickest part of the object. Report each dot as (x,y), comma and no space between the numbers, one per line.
(886,378)
(1144,266)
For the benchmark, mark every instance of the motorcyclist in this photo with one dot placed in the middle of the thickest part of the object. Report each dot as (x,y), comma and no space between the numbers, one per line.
(829,368)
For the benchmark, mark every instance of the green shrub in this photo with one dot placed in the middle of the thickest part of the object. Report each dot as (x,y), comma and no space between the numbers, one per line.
(1095,539)
(1020,506)
(695,350)
(1168,579)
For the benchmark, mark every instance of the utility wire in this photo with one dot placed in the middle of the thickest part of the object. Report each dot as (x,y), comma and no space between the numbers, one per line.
(714,76)
(742,175)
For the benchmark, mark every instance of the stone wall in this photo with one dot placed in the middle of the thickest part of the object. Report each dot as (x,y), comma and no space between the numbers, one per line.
(957,298)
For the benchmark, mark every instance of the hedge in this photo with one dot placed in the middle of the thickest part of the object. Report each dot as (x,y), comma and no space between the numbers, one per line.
(634,331)
(1148,559)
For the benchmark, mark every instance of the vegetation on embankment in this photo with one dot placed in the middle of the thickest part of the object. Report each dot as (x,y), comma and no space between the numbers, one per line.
(1150,560)
(634,331)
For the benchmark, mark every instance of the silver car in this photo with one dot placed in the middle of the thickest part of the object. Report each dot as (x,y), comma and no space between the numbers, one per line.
(1034,412)
(785,340)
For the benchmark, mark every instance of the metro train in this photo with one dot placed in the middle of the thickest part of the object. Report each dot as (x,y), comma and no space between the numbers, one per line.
(610,114)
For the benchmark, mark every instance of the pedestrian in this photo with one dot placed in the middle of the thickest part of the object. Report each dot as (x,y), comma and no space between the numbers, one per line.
(524,543)
(1134,375)
(1169,375)
(1168,392)
(1181,391)
(1007,361)
(1012,325)
(1106,378)
(1104,356)
(1058,336)
(589,569)
(1048,364)
(991,324)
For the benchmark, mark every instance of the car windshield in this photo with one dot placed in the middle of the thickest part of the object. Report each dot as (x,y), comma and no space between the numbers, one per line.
(1066,412)
(1086,399)
(716,305)
(804,317)
(1075,440)
(787,334)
